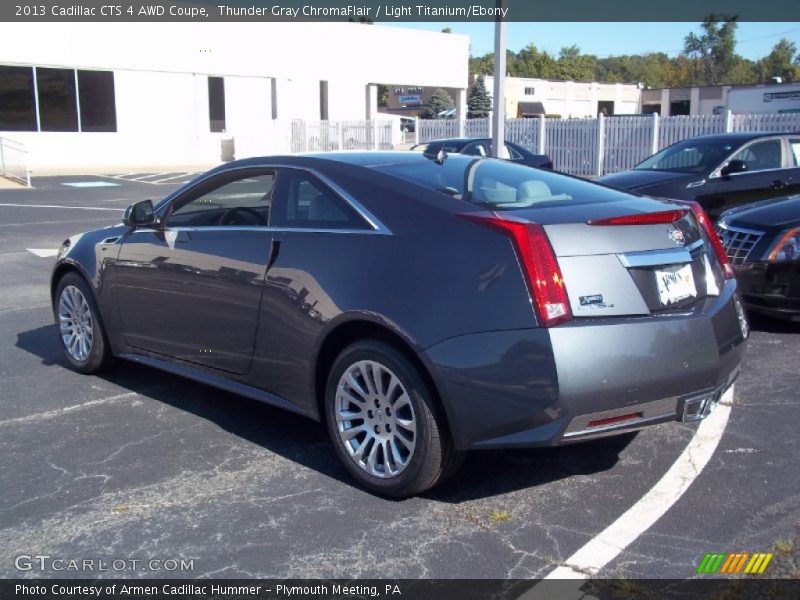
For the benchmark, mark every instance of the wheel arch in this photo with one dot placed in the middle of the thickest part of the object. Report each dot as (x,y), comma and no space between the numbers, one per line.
(361,328)
(62,269)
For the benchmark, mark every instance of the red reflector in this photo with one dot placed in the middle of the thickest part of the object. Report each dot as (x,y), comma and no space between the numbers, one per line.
(655,218)
(705,223)
(613,420)
(539,264)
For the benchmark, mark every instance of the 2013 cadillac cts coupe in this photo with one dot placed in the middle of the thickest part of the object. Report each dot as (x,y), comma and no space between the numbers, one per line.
(420,306)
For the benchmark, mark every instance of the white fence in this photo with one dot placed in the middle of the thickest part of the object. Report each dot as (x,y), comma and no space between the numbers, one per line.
(321,136)
(594,147)
(14,161)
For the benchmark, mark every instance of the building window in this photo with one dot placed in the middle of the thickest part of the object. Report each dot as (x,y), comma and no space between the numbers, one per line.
(216,104)
(58,107)
(96,98)
(679,108)
(17,104)
(529,91)
(59,100)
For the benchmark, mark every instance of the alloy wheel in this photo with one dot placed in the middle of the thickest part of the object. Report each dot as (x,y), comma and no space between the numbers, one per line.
(375,419)
(75,323)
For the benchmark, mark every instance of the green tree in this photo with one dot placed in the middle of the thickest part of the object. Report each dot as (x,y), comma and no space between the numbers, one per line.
(779,62)
(714,50)
(383,94)
(439,102)
(479,105)
(447,30)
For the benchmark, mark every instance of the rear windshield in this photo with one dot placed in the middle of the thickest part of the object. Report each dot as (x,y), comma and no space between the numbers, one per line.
(498,184)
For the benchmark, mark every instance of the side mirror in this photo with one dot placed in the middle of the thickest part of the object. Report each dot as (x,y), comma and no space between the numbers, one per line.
(139,214)
(734,166)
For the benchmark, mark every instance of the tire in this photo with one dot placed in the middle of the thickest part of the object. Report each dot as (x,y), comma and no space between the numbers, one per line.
(396,442)
(78,318)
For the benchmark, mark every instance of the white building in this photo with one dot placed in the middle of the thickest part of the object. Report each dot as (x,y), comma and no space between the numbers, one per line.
(116,95)
(526,97)
(714,99)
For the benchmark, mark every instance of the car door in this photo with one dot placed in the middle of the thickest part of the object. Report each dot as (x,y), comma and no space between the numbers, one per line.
(765,177)
(190,288)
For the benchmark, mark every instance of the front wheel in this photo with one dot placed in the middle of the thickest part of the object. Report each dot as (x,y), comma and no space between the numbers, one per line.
(79,326)
(384,423)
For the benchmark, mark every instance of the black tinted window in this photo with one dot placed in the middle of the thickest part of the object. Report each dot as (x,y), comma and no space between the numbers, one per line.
(17,109)
(58,110)
(305,202)
(690,156)
(98,107)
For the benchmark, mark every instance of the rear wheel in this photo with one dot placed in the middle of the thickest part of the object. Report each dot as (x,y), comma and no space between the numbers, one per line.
(384,422)
(79,326)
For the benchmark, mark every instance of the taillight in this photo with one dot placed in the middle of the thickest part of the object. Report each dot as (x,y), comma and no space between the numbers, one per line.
(654,218)
(702,219)
(539,263)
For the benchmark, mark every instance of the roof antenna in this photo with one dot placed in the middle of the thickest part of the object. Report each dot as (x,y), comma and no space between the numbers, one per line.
(441,156)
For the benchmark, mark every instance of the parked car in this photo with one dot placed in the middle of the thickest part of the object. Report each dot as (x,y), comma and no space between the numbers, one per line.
(483,147)
(420,307)
(408,125)
(718,171)
(762,241)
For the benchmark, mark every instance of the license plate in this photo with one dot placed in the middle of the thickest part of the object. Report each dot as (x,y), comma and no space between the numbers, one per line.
(675,284)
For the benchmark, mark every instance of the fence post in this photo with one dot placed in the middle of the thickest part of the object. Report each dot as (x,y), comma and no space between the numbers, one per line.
(462,126)
(728,120)
(375,140)
(416,130)
(656,123)
(601,143)
(542,133)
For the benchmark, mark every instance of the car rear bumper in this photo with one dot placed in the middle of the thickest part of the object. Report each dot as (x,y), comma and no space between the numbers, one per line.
(544,387)
(772,289)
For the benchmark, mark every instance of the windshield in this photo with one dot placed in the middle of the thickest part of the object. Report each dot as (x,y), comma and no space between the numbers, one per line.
(498,184)
(690,156)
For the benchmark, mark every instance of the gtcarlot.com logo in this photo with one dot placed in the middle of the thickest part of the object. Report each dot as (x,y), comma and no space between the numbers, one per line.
(731,564)
(45,562)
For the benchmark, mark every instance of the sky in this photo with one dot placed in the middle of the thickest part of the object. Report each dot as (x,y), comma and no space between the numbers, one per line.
(754,40)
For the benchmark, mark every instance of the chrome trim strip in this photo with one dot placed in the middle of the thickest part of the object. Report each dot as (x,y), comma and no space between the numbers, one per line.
(264,228)
(652,258)
(377,225)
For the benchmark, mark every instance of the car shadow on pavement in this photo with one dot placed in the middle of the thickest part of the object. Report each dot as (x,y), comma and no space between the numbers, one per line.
(759,322)
(485,473)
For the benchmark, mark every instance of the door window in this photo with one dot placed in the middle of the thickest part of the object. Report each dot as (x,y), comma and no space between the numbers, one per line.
(761,156)
(244,201)
(305,202)
(475,149)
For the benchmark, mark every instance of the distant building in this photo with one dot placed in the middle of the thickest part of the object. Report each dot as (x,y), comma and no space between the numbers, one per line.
(714,99)
(527,97)
(410,100)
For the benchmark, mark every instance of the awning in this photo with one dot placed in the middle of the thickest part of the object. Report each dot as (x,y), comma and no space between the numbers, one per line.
(529,109)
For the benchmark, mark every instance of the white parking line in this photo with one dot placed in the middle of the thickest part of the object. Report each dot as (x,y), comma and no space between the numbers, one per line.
(173,177)
(43,252)
(605,547)
(60,206)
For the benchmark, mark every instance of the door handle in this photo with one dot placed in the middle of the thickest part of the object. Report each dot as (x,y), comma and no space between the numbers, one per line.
(778,184)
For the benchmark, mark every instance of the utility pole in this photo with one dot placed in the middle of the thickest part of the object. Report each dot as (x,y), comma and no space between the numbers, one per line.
(499,91)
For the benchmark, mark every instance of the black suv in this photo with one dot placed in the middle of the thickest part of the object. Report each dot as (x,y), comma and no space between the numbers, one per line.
(718,171)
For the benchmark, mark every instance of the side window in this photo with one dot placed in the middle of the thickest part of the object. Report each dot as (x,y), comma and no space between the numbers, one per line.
(761,155)
(242,201)
(303,201)
(794,144)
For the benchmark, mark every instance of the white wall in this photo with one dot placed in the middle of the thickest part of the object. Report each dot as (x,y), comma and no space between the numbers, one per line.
(161,84)
(751,100)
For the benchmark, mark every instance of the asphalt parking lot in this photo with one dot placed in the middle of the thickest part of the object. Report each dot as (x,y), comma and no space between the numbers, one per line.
(138,464)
